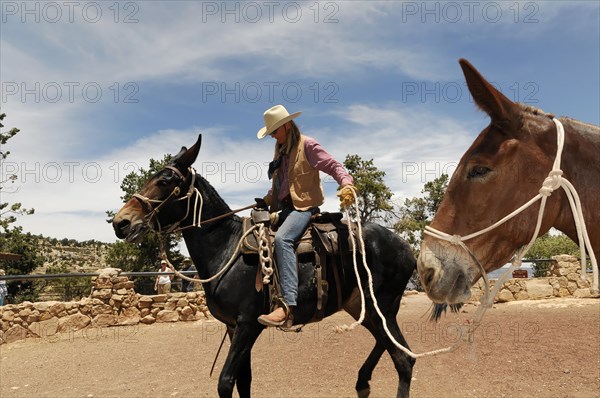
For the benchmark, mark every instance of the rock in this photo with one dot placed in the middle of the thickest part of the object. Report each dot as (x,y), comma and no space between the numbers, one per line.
(103,320)
(148,319)
(44,328)
(109,273)
(42,306)
(538,289)
(119,279)
(103,294)
(73,322)
(101,309)
(131,300)
(45,316)
(170,306)
(8,316)
(582,293)
(159,298)
(504,296)
(15,333)
(124,285)
(167,316)
(145,302)
(24,313)
(182,302)
(116,297)
(582,284)
(144,312)
(129,316)
(186,311)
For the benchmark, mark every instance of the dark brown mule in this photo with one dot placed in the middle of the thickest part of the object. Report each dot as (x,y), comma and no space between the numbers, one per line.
(502,170)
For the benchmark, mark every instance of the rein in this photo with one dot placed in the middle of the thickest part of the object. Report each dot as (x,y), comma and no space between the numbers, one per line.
(554,181)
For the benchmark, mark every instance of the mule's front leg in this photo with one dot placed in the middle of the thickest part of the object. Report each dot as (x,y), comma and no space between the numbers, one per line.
(237,365)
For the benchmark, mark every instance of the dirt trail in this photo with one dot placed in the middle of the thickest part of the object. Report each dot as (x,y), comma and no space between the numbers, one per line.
(537,348)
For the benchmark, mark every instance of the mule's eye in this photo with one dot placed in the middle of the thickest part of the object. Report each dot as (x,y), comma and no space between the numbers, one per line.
(478,172)
(166,178)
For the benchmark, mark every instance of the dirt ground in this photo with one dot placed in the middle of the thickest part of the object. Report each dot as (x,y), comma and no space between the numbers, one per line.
(543,348)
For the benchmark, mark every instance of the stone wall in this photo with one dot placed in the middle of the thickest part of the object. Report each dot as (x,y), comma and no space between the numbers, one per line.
(113,302)
(564,281)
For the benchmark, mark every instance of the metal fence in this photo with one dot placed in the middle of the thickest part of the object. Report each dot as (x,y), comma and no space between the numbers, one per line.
(55,291)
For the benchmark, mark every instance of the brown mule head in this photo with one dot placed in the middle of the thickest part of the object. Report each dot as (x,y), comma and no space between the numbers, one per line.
(502,170)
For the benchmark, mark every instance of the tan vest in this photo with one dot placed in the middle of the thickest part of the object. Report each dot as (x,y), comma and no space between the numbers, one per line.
(305,184)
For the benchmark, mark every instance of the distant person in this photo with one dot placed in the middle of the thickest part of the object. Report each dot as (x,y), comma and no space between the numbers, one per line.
(163,282)
(3,288)
(187,286)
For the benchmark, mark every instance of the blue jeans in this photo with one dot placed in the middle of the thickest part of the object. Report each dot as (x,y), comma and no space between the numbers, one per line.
(291,230)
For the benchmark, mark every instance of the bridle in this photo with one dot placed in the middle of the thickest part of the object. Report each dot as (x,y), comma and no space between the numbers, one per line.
(554,181)
(155,206)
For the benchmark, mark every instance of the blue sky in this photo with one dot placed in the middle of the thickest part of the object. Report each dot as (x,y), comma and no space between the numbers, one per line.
(98,88)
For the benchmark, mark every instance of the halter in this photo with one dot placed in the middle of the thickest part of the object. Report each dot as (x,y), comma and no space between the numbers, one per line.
(554,181)
(155,205)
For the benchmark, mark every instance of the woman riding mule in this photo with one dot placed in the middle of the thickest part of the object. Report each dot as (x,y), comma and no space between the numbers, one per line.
(178,199)
(297,192)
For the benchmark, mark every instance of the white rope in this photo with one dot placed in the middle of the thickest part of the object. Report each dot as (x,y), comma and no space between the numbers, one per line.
(554,181)
(344,328)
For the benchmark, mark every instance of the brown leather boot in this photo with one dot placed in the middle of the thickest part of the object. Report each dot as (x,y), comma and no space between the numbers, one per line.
(276,318)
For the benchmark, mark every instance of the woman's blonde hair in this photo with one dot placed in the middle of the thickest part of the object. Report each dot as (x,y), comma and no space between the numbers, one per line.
(293,137)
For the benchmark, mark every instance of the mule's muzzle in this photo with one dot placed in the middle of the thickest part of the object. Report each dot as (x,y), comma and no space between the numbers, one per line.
(131,233)
(446,280)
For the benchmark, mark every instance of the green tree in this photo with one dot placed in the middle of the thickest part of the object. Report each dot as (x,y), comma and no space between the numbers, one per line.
(8,212)
(374,196)
(417,213)
(25,246)
(547,246)
(12,239)
(145,255)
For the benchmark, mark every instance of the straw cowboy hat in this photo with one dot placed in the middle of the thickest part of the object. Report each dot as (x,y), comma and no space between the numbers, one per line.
(275,117)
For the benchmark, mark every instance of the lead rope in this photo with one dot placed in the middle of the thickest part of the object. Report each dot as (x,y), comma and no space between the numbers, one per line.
(344,328)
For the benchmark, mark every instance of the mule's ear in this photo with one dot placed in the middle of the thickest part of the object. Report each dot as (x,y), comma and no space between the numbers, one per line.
(500,109)
(186,157)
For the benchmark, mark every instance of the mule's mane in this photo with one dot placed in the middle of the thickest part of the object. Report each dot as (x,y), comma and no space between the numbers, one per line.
(210,191)
(534,110)
(539,112)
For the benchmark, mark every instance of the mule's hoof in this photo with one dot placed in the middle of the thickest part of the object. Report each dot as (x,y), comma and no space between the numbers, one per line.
(364,393)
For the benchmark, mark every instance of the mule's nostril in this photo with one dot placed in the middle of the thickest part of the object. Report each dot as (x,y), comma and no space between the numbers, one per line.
(121,228)
(428,275)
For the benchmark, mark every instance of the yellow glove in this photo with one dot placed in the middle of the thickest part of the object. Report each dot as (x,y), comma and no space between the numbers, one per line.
(346,195)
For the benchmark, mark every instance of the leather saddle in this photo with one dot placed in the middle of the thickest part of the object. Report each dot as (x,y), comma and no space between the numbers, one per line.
(326,237)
